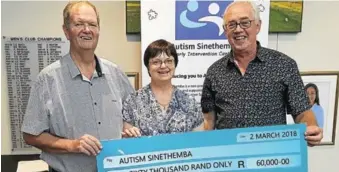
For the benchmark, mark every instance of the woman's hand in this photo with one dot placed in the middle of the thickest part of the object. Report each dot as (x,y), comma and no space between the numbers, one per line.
(130,131)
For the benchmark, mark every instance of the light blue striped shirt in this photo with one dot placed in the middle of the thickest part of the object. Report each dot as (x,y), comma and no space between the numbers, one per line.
(66,105)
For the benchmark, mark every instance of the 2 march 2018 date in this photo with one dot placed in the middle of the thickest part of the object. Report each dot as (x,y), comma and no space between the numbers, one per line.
(273,135)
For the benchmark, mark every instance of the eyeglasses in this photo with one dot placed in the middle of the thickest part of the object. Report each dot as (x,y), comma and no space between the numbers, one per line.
(158,63)
(91,26)
(244,24)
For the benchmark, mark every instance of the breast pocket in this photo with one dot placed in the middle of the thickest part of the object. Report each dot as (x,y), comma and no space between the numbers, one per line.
(112,115)
(112,105)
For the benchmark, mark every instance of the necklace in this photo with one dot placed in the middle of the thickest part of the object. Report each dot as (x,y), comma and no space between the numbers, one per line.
(164,106)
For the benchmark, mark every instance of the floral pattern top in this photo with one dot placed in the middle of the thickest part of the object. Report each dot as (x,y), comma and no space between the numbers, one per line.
(142,110)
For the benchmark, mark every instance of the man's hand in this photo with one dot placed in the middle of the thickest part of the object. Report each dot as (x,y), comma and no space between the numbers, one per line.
(313,135)
(131,132)
(88,145)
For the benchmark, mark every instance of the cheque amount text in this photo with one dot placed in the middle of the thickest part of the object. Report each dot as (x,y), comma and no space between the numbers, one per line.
(273,162)
(273,135)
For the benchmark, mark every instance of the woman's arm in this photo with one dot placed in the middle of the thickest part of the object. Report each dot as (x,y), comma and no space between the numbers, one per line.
(128,116)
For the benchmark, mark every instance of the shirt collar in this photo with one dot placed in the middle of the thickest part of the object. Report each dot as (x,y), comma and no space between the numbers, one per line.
(74,70)
(260,55)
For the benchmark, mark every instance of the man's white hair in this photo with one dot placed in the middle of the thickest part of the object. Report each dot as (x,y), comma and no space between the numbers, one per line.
(255,8)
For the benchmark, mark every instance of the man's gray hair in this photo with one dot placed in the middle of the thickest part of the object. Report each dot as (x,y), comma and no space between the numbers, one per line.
(69,7)
(255,8)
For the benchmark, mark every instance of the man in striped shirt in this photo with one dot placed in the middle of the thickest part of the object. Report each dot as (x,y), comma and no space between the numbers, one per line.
(76,101)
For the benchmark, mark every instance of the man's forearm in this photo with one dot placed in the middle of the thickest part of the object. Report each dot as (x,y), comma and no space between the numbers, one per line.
(307,117)
(209,120)
(50,143)
(201,127)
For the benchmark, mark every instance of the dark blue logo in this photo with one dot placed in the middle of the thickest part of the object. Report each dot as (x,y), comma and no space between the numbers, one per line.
(197,20)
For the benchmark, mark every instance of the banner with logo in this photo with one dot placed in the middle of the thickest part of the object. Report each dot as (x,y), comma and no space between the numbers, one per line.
(196,29)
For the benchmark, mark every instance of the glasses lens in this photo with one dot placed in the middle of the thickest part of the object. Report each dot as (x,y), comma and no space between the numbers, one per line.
(232,25)
(169,61)
(156,62)
(245,24)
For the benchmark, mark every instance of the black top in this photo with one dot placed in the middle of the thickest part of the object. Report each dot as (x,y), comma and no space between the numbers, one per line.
(270,88)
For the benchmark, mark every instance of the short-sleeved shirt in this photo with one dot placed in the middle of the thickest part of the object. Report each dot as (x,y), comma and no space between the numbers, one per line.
(142,111)
(319,114)
(270,88)
(65,104)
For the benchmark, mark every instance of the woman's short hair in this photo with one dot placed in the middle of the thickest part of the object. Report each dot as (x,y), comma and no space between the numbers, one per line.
(156,48)
(316,91)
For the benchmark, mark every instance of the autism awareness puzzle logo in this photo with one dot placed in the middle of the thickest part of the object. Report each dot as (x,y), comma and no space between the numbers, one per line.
(198,20)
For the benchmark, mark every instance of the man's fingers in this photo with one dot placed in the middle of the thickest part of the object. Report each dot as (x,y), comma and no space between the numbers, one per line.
(83,150)
(313,135)
(316,138)
(87,147)
(96,141)
(313,131)
(90,143)
(313,143)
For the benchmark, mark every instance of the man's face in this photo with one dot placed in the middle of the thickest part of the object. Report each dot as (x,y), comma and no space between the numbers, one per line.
(83,30)
(244,36)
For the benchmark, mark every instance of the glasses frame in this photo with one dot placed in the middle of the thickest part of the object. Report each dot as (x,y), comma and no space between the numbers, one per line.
(238,24)
(163,61)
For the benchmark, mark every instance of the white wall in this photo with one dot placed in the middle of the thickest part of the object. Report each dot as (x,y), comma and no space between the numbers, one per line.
(29,18)
(314,49)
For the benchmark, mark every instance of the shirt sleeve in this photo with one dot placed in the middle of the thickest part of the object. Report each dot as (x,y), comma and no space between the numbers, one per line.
(125,85)
(36,118)
(297,101)
(207,97)
(321,117)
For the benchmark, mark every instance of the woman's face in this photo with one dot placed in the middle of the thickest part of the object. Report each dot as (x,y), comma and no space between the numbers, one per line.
(162,67)
(311,94)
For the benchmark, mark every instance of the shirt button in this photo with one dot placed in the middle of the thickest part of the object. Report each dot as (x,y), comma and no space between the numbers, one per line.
(95,103)
(91,84)
(99,122)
